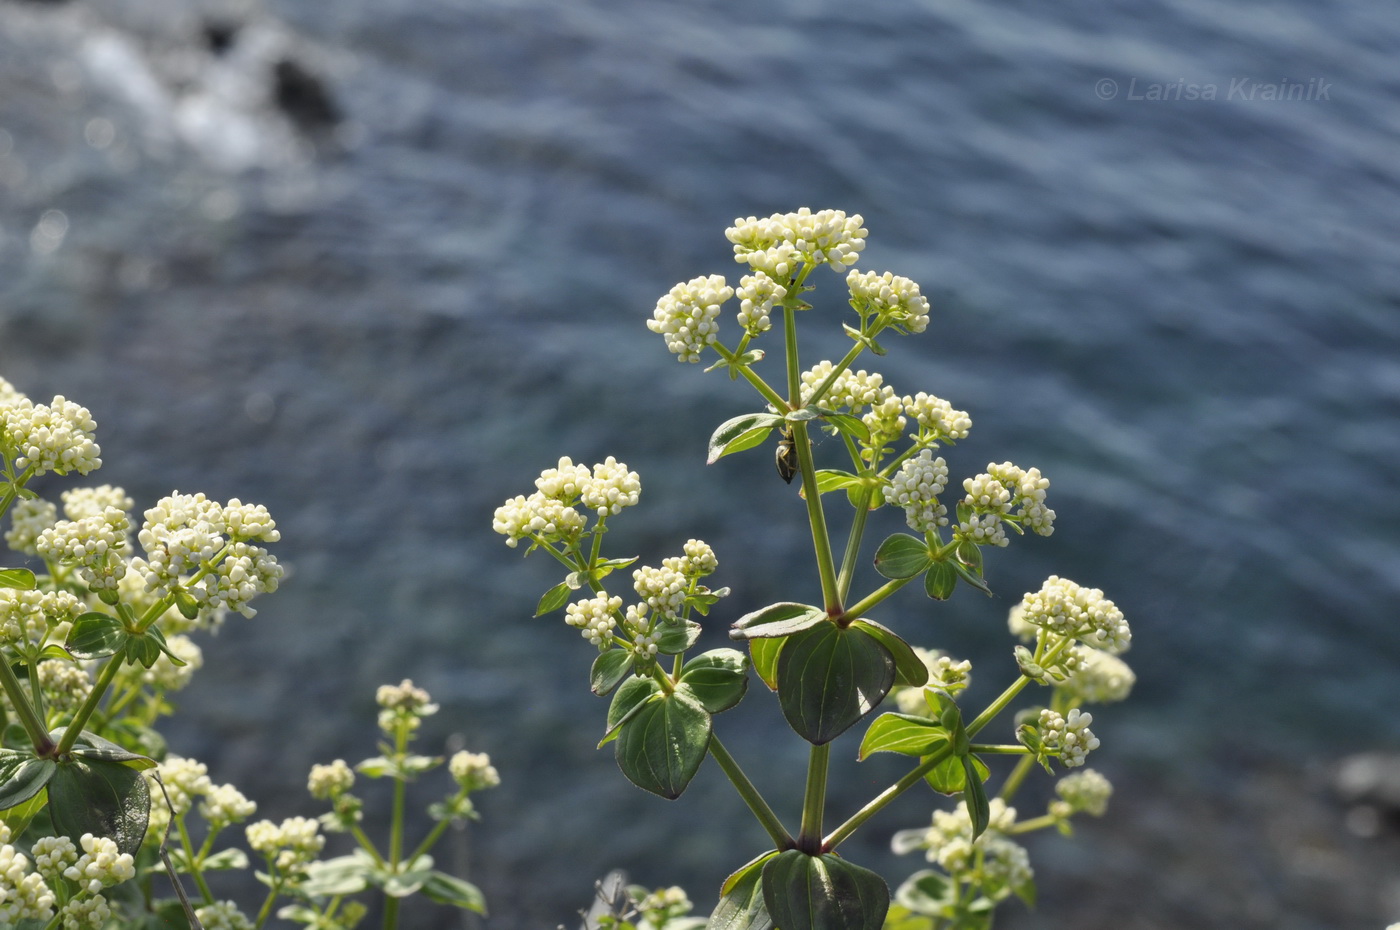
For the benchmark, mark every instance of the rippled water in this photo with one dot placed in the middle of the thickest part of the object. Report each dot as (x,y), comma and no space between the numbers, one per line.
(1185,311)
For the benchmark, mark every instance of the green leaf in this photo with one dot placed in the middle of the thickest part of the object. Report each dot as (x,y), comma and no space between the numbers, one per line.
(765,659)
(717,679)
(805,892)
(608,670)
(783,619)
(22,776)
(225,860)
(741,905)
(972,578)
(904,734)
(803,415)
(910,670)
(378,767)
(902,556)
(453,891)
(829,677)
(926,892)
(17,818)
(829,479)
(339,876)
(100,797)
(975,795)
(850,425)
(143,649)
(940,581)
(740,433)
(677,637)
(554,598)
(94,635)
(626,703)
(54,651)
(91,746)
(950,776)
(661,748)
(970,554)
(403,884)
(21,578)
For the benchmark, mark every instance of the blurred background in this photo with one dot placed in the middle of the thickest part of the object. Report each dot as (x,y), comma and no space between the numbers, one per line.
(375,264)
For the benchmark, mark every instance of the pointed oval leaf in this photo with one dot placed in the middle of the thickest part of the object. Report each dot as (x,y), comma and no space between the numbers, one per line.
(22,776)
(403,884)
(805,892)
(941,581)
(608,671)
(627,703)
(741,905)
(765,659)
(828,678)
(904,734)
(677,636)
(910,670)
(740,433)
(717,679)
(454,892)
(926,892)
(948,777)
(661,748)
(852,426)
(973,578)
(95,635)
(91,746)
(554,598)
(829,479)
(21,578)
(782,619)
(100,797)
(902,556)
(975,796)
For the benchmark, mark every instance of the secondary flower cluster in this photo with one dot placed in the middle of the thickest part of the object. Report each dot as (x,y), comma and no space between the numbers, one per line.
(550,516)
(290,845)
(1063,610)
(27,894)
(778,244)
(991,497)
(993,861)
(403,705)
(187,781)
(1068,736)
(42,438)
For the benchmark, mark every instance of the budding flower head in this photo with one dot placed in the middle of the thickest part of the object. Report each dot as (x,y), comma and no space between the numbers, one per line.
(1085,790)
(29,519)
(687,315)
(757,294)
(916,487)
(893,299)
(1070,735)
(1063,608)
(778,244)
(329,781)
(290,844)
(49,438)
(473,771)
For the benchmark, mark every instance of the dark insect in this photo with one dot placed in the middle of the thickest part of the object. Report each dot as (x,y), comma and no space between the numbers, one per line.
(786,455)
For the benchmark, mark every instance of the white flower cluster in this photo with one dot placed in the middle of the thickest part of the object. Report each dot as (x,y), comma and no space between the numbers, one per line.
(49,438)
(79,503)
(1027,488)
(1069,736)
(687,316)
(663,905)
(548,515)
(885,420)
(291,844)
(27,615)
(183,533)
(328,781)
(757,295)
(991,496)
(473,771)
(938,421)
(223,915)
(663,589)
(224,805)
(9,393)
(777,245)
(101,865)
(1065,609)
(165,675)
(184,780)
(53,854)
(1099,677)
(594,618)
(91,913)
(851,390)
(94,544)
(895,299)
(611,488)
(65,685)
(1085,791)
(405,696)
(29,518)
(916,487)
(24,895)
(1002,863)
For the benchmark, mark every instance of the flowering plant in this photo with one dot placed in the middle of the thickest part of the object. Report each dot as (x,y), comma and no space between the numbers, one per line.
(91,649)
(829,663)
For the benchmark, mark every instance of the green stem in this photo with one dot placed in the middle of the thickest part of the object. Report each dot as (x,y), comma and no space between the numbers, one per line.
(852,553)
(770,395)
(862,607)
(75,726)
(821,540)
(1035,823)
(814,801)
(266,909)
(1017,776)
(431,839)
(366,844)
(998,749)
(757,805)
(841,366)
(878,803)
(194,861)
(33,726)
(997,706)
